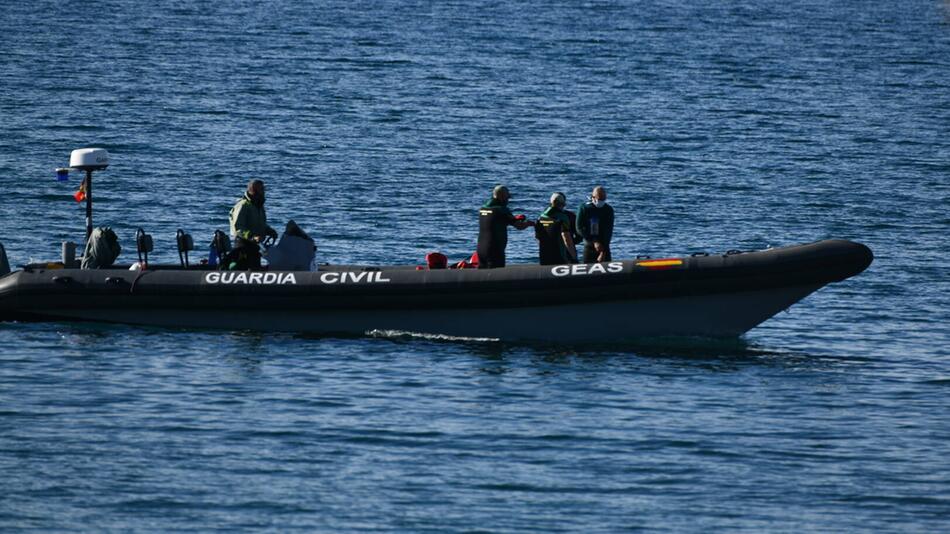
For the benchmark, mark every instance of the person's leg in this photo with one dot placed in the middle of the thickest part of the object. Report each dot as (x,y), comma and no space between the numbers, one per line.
(254,258)
(590,255)
(245,255)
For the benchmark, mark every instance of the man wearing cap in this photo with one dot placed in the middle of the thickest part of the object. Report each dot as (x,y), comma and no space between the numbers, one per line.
(249,227)
(595,221)
(555,234)
(494,218)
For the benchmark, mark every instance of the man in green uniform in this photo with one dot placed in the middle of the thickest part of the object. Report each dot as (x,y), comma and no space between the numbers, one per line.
(249,227)
(555,234)
(494,218)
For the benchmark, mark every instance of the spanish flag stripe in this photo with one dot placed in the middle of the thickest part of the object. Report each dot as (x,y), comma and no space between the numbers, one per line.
(660,263)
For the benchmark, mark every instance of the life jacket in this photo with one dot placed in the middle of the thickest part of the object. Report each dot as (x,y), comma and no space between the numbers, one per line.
(471,263)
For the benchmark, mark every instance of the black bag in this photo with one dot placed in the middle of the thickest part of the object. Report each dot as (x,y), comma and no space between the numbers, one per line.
(245,256)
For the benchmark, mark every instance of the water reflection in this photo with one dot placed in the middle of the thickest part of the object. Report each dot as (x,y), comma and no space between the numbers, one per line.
(246,350)
(719,355)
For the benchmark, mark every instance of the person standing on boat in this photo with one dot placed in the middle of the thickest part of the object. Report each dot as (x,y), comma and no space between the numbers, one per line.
(494,218)
(575,233)
(249,228)
(595,221)
(555,234)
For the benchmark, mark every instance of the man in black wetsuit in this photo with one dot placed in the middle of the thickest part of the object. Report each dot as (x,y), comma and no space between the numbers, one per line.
(595,220)
(494,218)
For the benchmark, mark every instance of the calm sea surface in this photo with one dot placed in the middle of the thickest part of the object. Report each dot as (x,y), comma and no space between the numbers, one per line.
(379,127)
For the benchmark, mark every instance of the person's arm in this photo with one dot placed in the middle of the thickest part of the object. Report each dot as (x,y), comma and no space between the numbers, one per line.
(569,243)
(575,233)
(583,222)
(267,230)
(607,225)
(520,222)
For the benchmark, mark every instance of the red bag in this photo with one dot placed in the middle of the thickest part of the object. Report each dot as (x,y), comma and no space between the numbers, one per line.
(436,260)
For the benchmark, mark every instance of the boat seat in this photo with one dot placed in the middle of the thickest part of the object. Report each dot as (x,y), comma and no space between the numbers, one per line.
(220,246)
(221,243)
(185,244)
(143,245)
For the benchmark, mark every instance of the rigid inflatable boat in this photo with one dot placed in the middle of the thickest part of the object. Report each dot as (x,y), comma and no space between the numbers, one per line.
(700,295)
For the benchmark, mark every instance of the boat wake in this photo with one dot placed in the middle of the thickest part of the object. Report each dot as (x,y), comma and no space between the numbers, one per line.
(403,334)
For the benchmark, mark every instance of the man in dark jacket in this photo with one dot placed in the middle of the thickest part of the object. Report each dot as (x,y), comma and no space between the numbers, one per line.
(494,218)
(595,221)
(248,227)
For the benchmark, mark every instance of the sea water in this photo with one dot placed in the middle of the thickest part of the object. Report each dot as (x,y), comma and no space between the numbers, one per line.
(380,127)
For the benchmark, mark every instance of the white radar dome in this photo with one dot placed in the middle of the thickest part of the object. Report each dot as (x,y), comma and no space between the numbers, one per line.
(89,159)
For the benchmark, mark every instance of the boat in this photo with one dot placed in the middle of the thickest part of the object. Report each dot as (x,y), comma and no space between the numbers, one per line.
(706,295)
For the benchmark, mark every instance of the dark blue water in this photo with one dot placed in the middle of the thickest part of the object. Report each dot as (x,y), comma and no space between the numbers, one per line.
(379,127)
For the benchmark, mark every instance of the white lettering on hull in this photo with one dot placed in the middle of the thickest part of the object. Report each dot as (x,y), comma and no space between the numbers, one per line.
(375,277)
(587,268)
(353,278)
(250,278)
